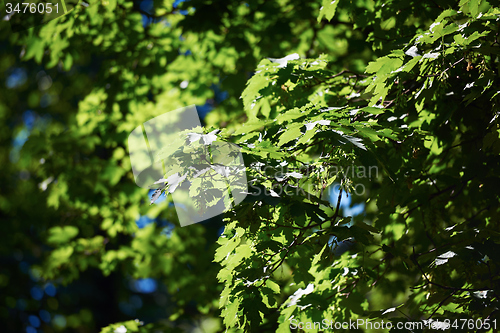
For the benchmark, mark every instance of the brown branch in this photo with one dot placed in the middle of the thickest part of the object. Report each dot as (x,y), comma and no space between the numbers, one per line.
(441,304)
(441,73)
(440,285)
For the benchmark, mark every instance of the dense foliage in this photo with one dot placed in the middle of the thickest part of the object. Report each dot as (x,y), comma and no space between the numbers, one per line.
(392,104)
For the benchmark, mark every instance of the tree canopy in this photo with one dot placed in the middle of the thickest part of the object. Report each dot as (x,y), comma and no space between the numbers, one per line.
(388,106)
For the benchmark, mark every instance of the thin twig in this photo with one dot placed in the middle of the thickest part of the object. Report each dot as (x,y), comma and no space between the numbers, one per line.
(440,285)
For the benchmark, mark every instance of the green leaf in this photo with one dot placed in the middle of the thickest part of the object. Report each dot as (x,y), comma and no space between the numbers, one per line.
(367,227)
(230,313)
(470,6)
(35,50)
(327,9)
(372,110)
(445,14)
(411,64)
(272,245)
(385,65)
(68,62)
(251,127)
(290,134)
(228,246)
(273,286)
(290,115)
(59,235)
